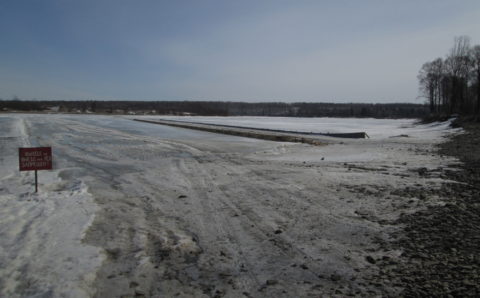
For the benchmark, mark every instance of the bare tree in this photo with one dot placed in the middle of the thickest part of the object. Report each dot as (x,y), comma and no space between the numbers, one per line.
(430,79)
(457,66)
(427,85)
(476,73)
(437,70)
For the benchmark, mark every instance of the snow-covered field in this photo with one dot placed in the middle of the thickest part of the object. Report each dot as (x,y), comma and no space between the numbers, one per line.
(141,209)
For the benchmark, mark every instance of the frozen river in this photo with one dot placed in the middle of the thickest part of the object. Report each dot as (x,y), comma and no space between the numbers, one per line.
(140,209)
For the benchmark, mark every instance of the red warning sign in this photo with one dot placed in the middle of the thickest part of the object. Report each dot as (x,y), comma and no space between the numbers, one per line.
(39,158)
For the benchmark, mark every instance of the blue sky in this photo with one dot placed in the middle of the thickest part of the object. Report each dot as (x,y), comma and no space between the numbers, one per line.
(278,50)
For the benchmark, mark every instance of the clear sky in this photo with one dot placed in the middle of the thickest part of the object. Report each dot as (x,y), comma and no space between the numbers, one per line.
(248,50)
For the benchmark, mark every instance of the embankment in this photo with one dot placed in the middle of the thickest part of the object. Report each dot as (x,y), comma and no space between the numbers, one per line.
(259,133)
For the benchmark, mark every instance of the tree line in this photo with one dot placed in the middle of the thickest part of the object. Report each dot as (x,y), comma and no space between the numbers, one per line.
(451,85)
(222,108)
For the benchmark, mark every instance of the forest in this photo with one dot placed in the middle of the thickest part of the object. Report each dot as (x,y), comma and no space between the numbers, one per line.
(221,108)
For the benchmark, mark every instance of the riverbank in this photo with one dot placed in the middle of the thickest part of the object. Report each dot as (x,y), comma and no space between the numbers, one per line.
(440,244)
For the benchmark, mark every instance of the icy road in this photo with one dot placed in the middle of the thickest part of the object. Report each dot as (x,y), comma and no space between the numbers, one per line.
(136,209)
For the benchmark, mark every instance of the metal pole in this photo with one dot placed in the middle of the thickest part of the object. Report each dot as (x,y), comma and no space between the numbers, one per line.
(36,181)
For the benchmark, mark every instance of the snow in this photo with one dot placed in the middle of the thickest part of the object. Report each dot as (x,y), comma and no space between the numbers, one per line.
(134,208)
(41,250)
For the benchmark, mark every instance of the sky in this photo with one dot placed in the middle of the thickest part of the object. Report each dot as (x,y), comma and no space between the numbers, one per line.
(229,50)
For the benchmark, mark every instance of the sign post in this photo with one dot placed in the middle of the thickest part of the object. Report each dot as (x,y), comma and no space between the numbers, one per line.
(36,181)
(34,159)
